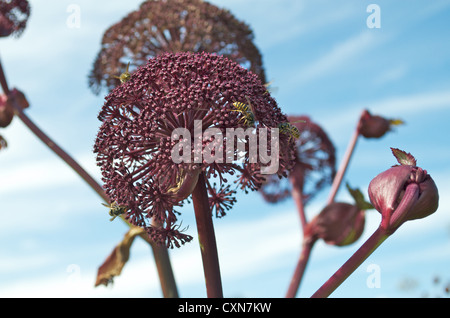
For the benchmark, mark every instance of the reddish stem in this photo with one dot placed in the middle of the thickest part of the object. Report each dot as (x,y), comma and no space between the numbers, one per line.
(352,264)
(307,245)
(207,239)
(296,180)
(344,164)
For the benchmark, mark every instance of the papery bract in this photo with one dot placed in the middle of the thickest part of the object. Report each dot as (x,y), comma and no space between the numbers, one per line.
(338,224)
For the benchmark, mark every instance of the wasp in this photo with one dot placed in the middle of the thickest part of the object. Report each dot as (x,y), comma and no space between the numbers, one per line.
(125,76)
(289,129)
(115,209)
(248,114)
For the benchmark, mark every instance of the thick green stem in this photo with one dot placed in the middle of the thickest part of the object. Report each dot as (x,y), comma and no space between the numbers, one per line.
(207,239)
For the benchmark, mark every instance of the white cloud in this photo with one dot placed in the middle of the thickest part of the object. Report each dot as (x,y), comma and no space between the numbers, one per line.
(336,58)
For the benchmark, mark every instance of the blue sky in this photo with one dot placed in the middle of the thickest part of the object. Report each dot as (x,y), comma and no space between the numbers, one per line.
(324,62)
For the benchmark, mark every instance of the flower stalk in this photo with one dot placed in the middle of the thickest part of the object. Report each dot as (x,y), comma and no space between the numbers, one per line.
(307,245)
(344,164)
(368,126)
(378,237)
(207,239)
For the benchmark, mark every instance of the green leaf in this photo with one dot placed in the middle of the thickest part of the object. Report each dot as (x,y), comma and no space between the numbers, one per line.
(360,202)
(404,158)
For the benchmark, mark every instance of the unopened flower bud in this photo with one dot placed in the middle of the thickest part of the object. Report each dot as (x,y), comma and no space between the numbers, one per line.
(387,190)
(6,106)
(338,223)
(373,126)
(6,112)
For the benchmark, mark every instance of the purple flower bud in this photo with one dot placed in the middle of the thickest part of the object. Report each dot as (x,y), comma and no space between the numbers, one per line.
(6,107)
(6,112)
(338,224)
(373,126)
(387,190)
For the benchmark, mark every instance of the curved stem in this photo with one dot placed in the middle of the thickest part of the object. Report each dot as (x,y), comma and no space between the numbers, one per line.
(160,253)
(207,239)
(307,245)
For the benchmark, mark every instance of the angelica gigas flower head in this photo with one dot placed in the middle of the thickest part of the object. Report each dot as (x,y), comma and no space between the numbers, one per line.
(388,190)
(315,163)
(13,17)
(374,126)
(163,105)
(160,26)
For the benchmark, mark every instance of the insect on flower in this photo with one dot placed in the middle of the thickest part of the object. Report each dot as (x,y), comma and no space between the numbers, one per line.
(115,209)
(248,115)
(289,129)
(125,76)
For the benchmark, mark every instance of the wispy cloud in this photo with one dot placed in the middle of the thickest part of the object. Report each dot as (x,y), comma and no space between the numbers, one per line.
(411,104)
(335,59)
(392,74)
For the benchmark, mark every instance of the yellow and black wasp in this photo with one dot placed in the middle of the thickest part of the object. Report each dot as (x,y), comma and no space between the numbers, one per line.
(247,112)
(289,129)
(115,209)
(125,76)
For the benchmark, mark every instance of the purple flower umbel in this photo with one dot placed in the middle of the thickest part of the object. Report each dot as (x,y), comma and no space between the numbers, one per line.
(13,16)
(160,26)
(315,164)
(135,142)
